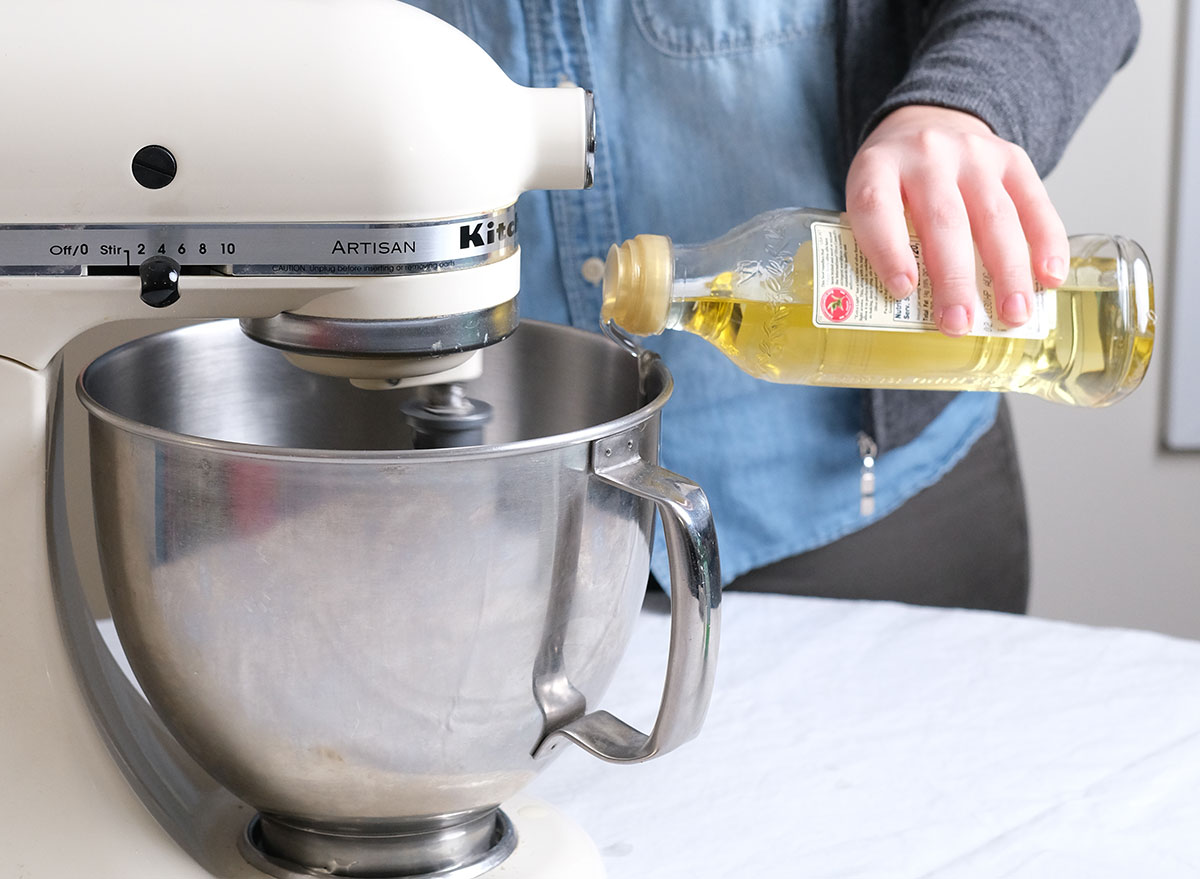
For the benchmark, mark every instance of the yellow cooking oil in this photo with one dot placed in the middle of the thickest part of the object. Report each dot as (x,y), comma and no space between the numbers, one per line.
(1095,349)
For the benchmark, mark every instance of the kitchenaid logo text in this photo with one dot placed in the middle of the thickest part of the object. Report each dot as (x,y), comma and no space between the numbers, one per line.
(372,248)
(481,234)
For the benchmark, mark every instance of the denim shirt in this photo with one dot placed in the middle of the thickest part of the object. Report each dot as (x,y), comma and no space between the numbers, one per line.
(707,114)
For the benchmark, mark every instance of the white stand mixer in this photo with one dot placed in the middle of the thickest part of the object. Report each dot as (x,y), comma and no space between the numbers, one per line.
(341,176)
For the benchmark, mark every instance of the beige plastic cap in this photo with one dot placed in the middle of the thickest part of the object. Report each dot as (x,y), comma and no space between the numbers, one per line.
(637,284)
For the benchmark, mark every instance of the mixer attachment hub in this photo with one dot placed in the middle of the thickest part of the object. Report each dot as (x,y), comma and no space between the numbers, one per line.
(348,337)
(377,351)
(442,416)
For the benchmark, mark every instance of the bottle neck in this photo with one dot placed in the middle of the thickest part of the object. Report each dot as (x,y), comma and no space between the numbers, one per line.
(691,281)
(749,257)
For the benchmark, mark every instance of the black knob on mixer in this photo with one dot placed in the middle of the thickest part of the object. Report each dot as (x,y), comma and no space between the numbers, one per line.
(160,281)
(154,166)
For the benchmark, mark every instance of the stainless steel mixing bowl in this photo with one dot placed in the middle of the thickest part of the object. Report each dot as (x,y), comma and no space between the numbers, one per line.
(372,645)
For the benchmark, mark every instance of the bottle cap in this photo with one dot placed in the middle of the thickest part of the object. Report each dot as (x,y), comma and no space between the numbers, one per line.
(637,284)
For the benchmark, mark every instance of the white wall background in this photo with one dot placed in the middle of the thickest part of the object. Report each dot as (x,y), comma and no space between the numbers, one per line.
(1115,519)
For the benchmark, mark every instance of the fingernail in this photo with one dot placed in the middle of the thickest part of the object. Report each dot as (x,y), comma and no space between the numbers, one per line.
(1015,310)
(954,320)
(1056,268)
(899,285)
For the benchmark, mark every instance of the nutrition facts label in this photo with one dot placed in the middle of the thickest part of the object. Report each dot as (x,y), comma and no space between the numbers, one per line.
(848,293)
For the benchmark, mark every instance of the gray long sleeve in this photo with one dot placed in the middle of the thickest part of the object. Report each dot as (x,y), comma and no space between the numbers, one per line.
(1031,69)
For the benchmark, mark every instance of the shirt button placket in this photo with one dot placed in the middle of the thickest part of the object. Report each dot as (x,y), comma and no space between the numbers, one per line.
(593,270)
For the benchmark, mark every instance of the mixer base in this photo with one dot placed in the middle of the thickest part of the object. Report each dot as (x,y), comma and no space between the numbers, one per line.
(532,841)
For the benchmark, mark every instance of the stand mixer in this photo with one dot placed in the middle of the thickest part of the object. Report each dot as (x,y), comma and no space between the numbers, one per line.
(341,178)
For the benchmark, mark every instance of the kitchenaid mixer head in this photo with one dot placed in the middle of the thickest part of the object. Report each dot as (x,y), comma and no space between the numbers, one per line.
(340,176)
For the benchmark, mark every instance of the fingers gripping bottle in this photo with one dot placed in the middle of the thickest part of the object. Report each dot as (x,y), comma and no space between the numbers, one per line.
(789,298)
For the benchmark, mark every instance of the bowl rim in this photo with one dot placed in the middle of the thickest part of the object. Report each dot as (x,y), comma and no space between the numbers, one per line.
(649,364)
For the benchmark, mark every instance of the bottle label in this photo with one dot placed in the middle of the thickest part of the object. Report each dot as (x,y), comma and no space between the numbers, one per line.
(848,293)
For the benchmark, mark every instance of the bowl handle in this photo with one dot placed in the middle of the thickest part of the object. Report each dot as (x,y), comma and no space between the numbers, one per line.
(695,609)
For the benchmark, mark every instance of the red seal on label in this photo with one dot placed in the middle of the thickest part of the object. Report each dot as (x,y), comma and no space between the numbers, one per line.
(837,304)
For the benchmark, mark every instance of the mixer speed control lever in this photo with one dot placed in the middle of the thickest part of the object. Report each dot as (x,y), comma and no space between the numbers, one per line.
(160,281)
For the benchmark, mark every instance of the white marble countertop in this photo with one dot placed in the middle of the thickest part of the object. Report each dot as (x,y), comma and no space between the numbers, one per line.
(865,739)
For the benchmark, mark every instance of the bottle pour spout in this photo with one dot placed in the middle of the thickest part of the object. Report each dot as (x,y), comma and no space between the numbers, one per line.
(638,276)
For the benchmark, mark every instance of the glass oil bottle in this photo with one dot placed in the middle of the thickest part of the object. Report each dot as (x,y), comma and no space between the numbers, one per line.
(789,297)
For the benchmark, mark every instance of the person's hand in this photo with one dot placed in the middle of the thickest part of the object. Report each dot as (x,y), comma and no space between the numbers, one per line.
(958,181)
